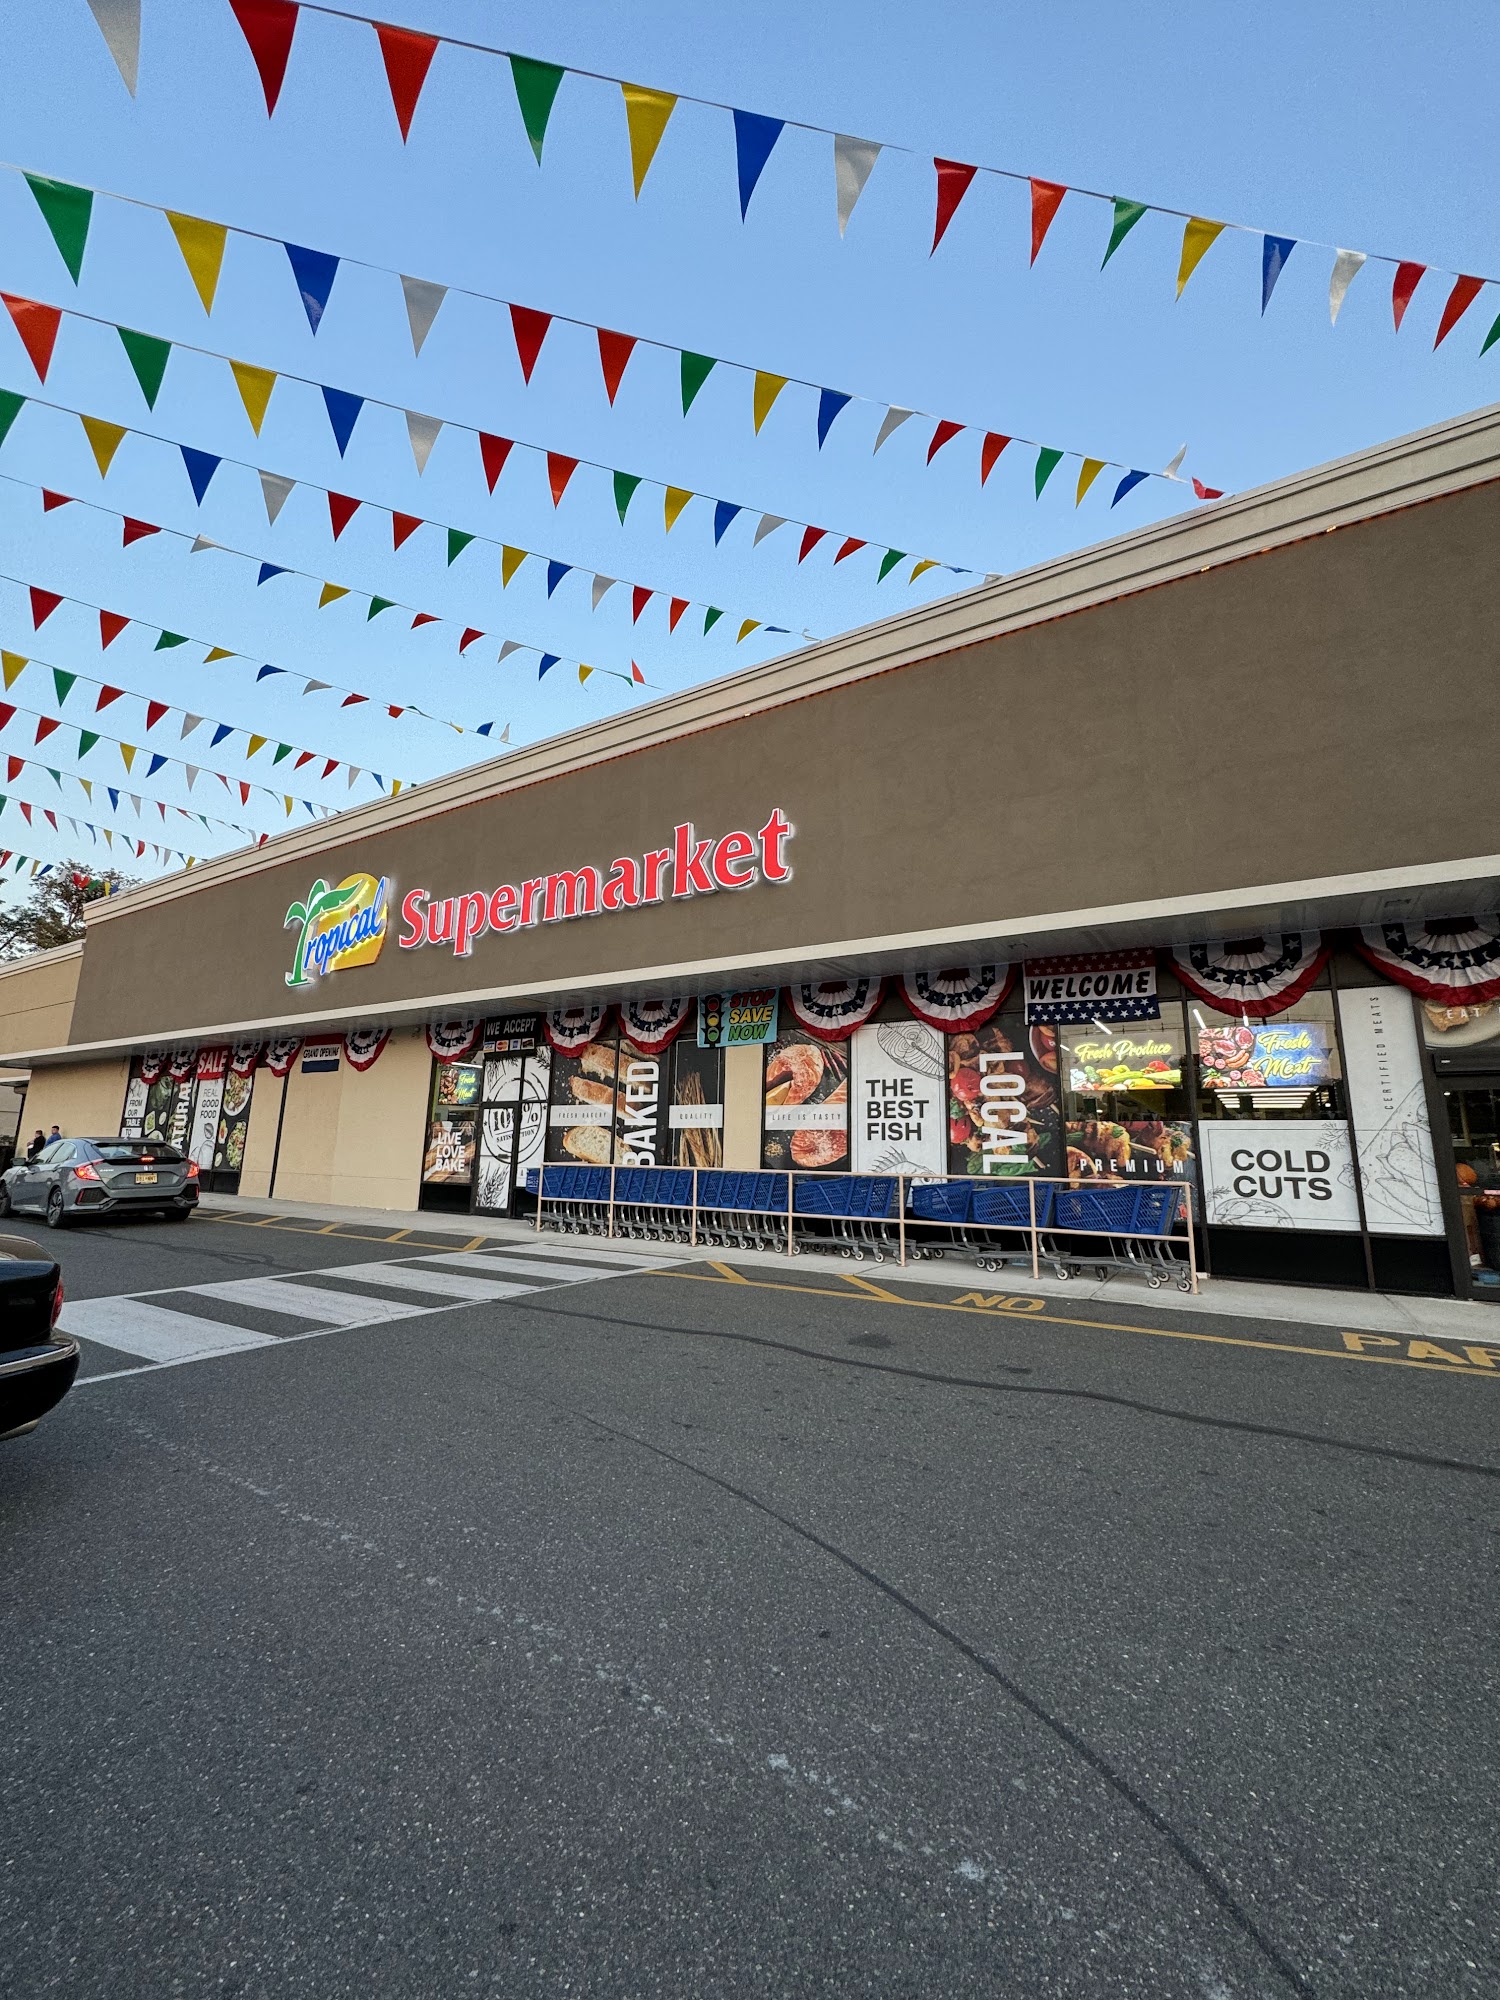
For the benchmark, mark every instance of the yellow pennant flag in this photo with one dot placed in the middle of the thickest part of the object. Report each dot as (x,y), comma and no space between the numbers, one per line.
(331,593)
(107,835)
(677,498)
(1088,472)
(767,389)
(583,674)
(256,743)
(395,786)
(646,114)
(749,626)
(104,439)
(127,754)
(917,568)
(202,247)
(13,663)
(1197,240)
(255,386)
(288,803)
(217,653)
(510,561)
(88,788)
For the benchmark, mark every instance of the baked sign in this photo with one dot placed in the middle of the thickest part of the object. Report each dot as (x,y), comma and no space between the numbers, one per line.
(688,867)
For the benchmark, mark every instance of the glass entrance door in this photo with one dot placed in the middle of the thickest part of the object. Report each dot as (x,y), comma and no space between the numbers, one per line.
(1474,1126)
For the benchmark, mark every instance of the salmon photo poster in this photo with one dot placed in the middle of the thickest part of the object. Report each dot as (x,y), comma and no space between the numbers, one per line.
(1004,1111)
(806,1103)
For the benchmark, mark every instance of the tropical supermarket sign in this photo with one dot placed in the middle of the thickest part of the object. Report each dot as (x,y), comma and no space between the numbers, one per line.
(338,927)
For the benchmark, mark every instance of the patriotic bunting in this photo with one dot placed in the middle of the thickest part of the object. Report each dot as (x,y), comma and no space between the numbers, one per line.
(833,1010)
(1452,963)
(1252,977)
(960,1000)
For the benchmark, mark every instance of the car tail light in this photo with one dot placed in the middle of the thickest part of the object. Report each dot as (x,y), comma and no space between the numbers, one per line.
(57,1302)
(192,1172)
(85,1171)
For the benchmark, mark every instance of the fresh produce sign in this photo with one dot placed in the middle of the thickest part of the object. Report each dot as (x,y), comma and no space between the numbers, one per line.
(1097,1066)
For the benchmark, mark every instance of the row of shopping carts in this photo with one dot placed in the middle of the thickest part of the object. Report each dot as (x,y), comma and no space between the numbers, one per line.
(1118,1227)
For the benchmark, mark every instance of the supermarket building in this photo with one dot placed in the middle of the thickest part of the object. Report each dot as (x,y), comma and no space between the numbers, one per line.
(1170,858)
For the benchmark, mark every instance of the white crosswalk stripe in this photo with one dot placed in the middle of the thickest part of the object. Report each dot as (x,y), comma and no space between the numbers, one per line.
(444,1284)
(155,1333)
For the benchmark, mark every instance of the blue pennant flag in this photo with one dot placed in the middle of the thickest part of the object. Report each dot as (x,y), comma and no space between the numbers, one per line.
(830,402)
(484,729)
(314,271)
(157,760)
(268,570)
(222,730)
(1274,252)
(1131,480)
(201,467)
(114,797)
(269,670)
(548,660)
(556,571)
(754,136)
(724,513)
(343,412)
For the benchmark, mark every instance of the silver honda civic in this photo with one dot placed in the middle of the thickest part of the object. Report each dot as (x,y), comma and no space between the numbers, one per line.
(77,1177)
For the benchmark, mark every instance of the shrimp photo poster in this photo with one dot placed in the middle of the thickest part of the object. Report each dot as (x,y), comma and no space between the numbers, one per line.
(1010,1069)
(806,1103)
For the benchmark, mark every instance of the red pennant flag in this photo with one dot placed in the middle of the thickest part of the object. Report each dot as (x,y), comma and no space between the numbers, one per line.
(678,606)
(14,766)
(494,451)
(50,818)
(268,26)
(636,674)
(953,179)
(111,625)
(989,451)
(403,526)
(45,724)
(155,710)
(306,757)
(408,56)
(395,713)
(424,618)
(471,633)
(1046,200)
(1463,295)
(530,328)
(106,696)
(849,547)
(43,604)
(330,766)
(1207,492)
(640,597)
(244,798)
(51,500)
(559,471)
(1407,278)
(136,531)
(25,810)
(942,432)
(341,511)
(350,700)
(810,540)
(37,326)
(615,349)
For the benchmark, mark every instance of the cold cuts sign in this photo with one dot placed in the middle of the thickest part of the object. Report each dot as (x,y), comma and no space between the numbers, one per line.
(1293,1173)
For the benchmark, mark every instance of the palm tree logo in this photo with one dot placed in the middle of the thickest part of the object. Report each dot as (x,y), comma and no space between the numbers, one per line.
(321,902)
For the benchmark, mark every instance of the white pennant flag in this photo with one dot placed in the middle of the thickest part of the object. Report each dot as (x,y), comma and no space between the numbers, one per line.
(422,301)
(510,646)
(768,525)
(317,687)
(189,724)
(201,542)
(1174,465)
(1346,268)
(505,734)
(120,24)
(275,490)
(601,585)
(423,434)
(892,421)
(353,774)
(852,161)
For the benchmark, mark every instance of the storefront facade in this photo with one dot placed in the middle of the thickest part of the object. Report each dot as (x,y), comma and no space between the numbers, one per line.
(1168,859)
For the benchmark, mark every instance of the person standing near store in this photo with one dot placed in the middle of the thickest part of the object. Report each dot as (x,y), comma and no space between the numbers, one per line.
(38,1140)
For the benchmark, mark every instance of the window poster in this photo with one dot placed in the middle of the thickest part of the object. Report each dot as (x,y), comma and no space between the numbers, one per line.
(1004,1113)
(234,1122)
(641,1106)
(724,1018)
(1100,1063)
(806,1103)
(898,1099)
(449,1159)
(133,1117)
(1388,1105)
(695,1117)
(581,1113)
(205,1123)
(512,1127)
(1131,1149)
(1295,1173)
(1264,1055)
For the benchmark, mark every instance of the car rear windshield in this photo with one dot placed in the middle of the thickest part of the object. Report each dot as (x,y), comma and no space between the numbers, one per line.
(136,1153)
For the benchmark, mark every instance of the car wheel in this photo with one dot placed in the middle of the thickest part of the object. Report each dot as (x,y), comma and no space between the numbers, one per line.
(56,1214)
(178,1214)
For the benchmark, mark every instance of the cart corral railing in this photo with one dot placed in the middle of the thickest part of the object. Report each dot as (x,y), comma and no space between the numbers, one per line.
(1104,1225)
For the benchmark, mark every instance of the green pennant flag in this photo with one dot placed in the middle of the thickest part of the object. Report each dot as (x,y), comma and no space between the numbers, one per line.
(458,541)
(711,618)
(87,738)
(66,211)
(536,87)
(625,485)
(148,357)
(377,605)
(889,561)
(168,640)
(11,406)
(63,682)
(1489,339)
(282,750)
(1047,462)
(696,369)
(1127,215)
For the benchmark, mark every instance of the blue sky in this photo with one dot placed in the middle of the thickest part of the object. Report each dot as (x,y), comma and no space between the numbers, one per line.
(1369,127)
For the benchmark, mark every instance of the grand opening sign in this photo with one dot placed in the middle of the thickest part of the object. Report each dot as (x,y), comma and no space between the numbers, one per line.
(688,867)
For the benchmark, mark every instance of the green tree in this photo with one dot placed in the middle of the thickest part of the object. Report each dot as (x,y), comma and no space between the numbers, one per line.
(52,912)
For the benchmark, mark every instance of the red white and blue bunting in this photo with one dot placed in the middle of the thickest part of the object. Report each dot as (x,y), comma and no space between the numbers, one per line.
(959,999)
(653,1025)
(153,1062)
(362,1046)
(1253,977)
(243,1056)
(451,1040)
(182,1062)
(281,1053)
(570,1028)
(833,1010)
(1456,962)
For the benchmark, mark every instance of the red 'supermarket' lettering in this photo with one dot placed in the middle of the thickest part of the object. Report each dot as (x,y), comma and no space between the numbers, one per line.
(689,867)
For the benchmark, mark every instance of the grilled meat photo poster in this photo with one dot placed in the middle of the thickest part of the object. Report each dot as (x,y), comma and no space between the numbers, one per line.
(1004,1111)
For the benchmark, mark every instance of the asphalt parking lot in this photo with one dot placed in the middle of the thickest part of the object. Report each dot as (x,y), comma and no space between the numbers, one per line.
(724,1629)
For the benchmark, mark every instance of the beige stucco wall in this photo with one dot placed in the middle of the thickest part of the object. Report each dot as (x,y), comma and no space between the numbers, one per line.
(260,1138)
(36,998)
(742,1073)
(85,1099)
(351,1138)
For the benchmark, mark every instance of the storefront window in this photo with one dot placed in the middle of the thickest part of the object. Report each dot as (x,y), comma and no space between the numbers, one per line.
(1287,1067)
(806,1103)
(448,1163)
(1474,1126)
(581,1117)
(1127,1100)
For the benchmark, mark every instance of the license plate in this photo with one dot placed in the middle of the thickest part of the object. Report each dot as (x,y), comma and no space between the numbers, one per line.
(142,1179)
